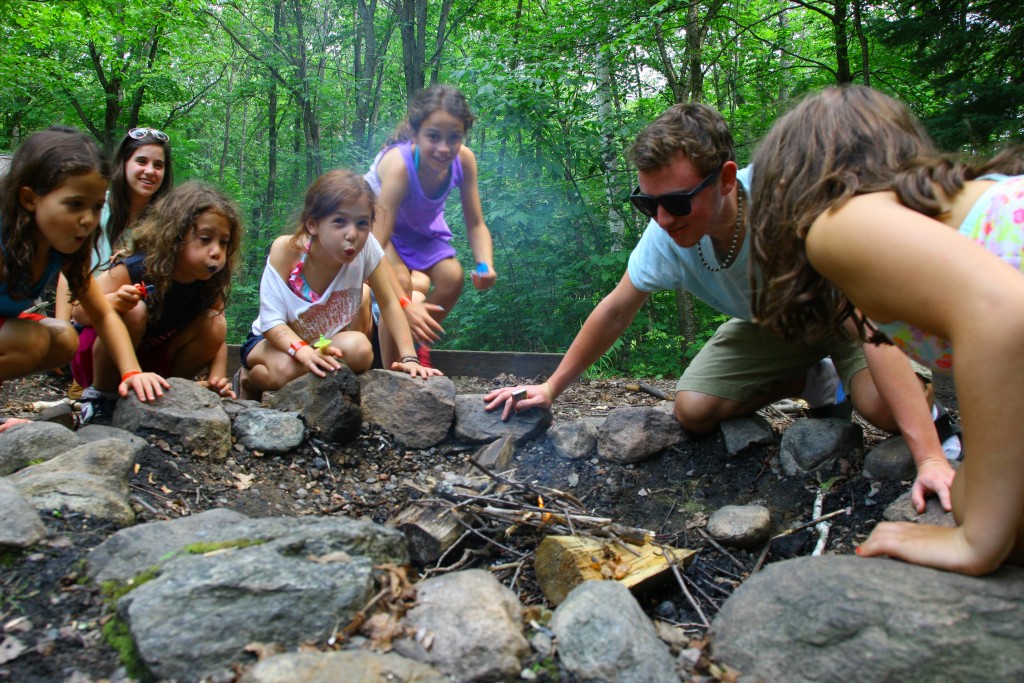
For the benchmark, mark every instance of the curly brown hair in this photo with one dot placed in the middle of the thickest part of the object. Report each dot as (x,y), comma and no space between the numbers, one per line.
(330,191)
(167,227)
(834,145)
(119,199)
(47,159)
(692,129)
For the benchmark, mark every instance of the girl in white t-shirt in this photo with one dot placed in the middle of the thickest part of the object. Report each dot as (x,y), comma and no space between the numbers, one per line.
(312,314)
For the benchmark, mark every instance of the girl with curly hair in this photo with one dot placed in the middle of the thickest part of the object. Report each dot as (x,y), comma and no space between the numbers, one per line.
(862,226)
(51,202)
(171,290)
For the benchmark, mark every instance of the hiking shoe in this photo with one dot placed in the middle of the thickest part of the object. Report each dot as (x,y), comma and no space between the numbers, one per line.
(423,353)
(823,392)
(95,410)
(949,432)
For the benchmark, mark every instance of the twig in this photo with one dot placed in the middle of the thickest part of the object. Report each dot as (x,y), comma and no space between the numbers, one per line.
(804,525)
(821,527)
(707,537)
(653,391)
(763,556)
(686,591)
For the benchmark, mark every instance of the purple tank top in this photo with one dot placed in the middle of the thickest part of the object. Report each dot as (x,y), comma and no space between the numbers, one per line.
(421,235)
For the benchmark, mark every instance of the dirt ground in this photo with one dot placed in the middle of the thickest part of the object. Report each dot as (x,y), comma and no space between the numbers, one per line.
(53,616)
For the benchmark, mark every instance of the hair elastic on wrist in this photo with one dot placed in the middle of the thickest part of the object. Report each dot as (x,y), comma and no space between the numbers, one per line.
(404,301)
(130,373)
(410,359)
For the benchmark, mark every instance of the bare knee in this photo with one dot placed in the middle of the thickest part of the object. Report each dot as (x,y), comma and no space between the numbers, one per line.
(358,353)
(697,412)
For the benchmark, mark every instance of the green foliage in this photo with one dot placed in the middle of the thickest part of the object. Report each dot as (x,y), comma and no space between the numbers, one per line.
(118,636)
(203,548)
(561,89)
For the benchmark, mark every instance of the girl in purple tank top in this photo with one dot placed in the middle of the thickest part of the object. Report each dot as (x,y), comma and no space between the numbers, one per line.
(413,177)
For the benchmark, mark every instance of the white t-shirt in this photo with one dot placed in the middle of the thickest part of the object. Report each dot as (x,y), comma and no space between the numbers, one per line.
(335,309)
(659,263)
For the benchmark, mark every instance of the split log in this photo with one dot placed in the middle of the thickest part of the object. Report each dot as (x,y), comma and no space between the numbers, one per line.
(433,529)
(564,562)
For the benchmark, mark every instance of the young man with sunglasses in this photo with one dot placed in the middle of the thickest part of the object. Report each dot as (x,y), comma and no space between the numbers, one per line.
(696,197)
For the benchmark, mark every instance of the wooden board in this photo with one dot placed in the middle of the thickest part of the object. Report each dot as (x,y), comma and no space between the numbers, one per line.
(564,562)
(485,364)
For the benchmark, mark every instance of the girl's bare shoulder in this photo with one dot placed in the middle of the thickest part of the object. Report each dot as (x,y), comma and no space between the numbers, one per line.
(284,255)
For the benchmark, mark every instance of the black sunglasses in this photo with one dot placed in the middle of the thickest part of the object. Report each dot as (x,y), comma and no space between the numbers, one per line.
(676,203)
(140,133)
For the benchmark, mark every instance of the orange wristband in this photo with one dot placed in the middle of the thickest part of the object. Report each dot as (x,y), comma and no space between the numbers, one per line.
(130,373)
(404,301)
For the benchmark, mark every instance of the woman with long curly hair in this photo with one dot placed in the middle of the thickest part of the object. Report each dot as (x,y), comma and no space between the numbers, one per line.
(862,226)
(171,290)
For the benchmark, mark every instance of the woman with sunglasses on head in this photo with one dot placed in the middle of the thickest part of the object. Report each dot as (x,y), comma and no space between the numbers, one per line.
(141,174)
(697,240)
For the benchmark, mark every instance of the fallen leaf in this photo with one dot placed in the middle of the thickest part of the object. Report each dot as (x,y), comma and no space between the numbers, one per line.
(244,481)
(10,649)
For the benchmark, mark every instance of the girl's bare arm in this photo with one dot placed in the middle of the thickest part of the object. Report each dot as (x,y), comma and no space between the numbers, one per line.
(896,264)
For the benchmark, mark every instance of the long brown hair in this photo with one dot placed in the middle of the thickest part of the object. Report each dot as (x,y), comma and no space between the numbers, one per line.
(168,226)
(43,163)
(834,145)
(119,198)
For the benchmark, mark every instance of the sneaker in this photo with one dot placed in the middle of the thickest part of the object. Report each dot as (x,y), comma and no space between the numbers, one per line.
(423,353)
(95,408)
(949,432)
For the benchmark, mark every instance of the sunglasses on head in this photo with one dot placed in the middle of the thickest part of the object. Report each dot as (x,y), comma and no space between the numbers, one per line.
(139,133)
(676,203)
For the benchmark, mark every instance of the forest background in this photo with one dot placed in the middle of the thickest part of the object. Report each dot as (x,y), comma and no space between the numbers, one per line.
(261,96)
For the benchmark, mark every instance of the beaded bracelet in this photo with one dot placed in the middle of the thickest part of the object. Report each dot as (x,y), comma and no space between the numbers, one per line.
(410,359)
(130,373)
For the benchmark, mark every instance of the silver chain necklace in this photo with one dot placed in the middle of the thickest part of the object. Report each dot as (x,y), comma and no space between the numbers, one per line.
(731,256)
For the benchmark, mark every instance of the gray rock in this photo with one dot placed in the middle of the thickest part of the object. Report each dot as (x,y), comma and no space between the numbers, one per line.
(842,618)
(62,414)
(234,406)
(188,416)
(329,404)
(636,433)
(22,526)
(135,549)
(418,412)
(268,431)
(474,424)
(902,510)
(350,666)
(890,460)
(476,627)
(95,432)
(92,478)
(197,616)
(740,526)
(604,636)
(741,433)
(33,442)
(819,445)
(574,440)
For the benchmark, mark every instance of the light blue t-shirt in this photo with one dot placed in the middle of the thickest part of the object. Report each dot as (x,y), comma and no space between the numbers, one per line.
(659,263)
